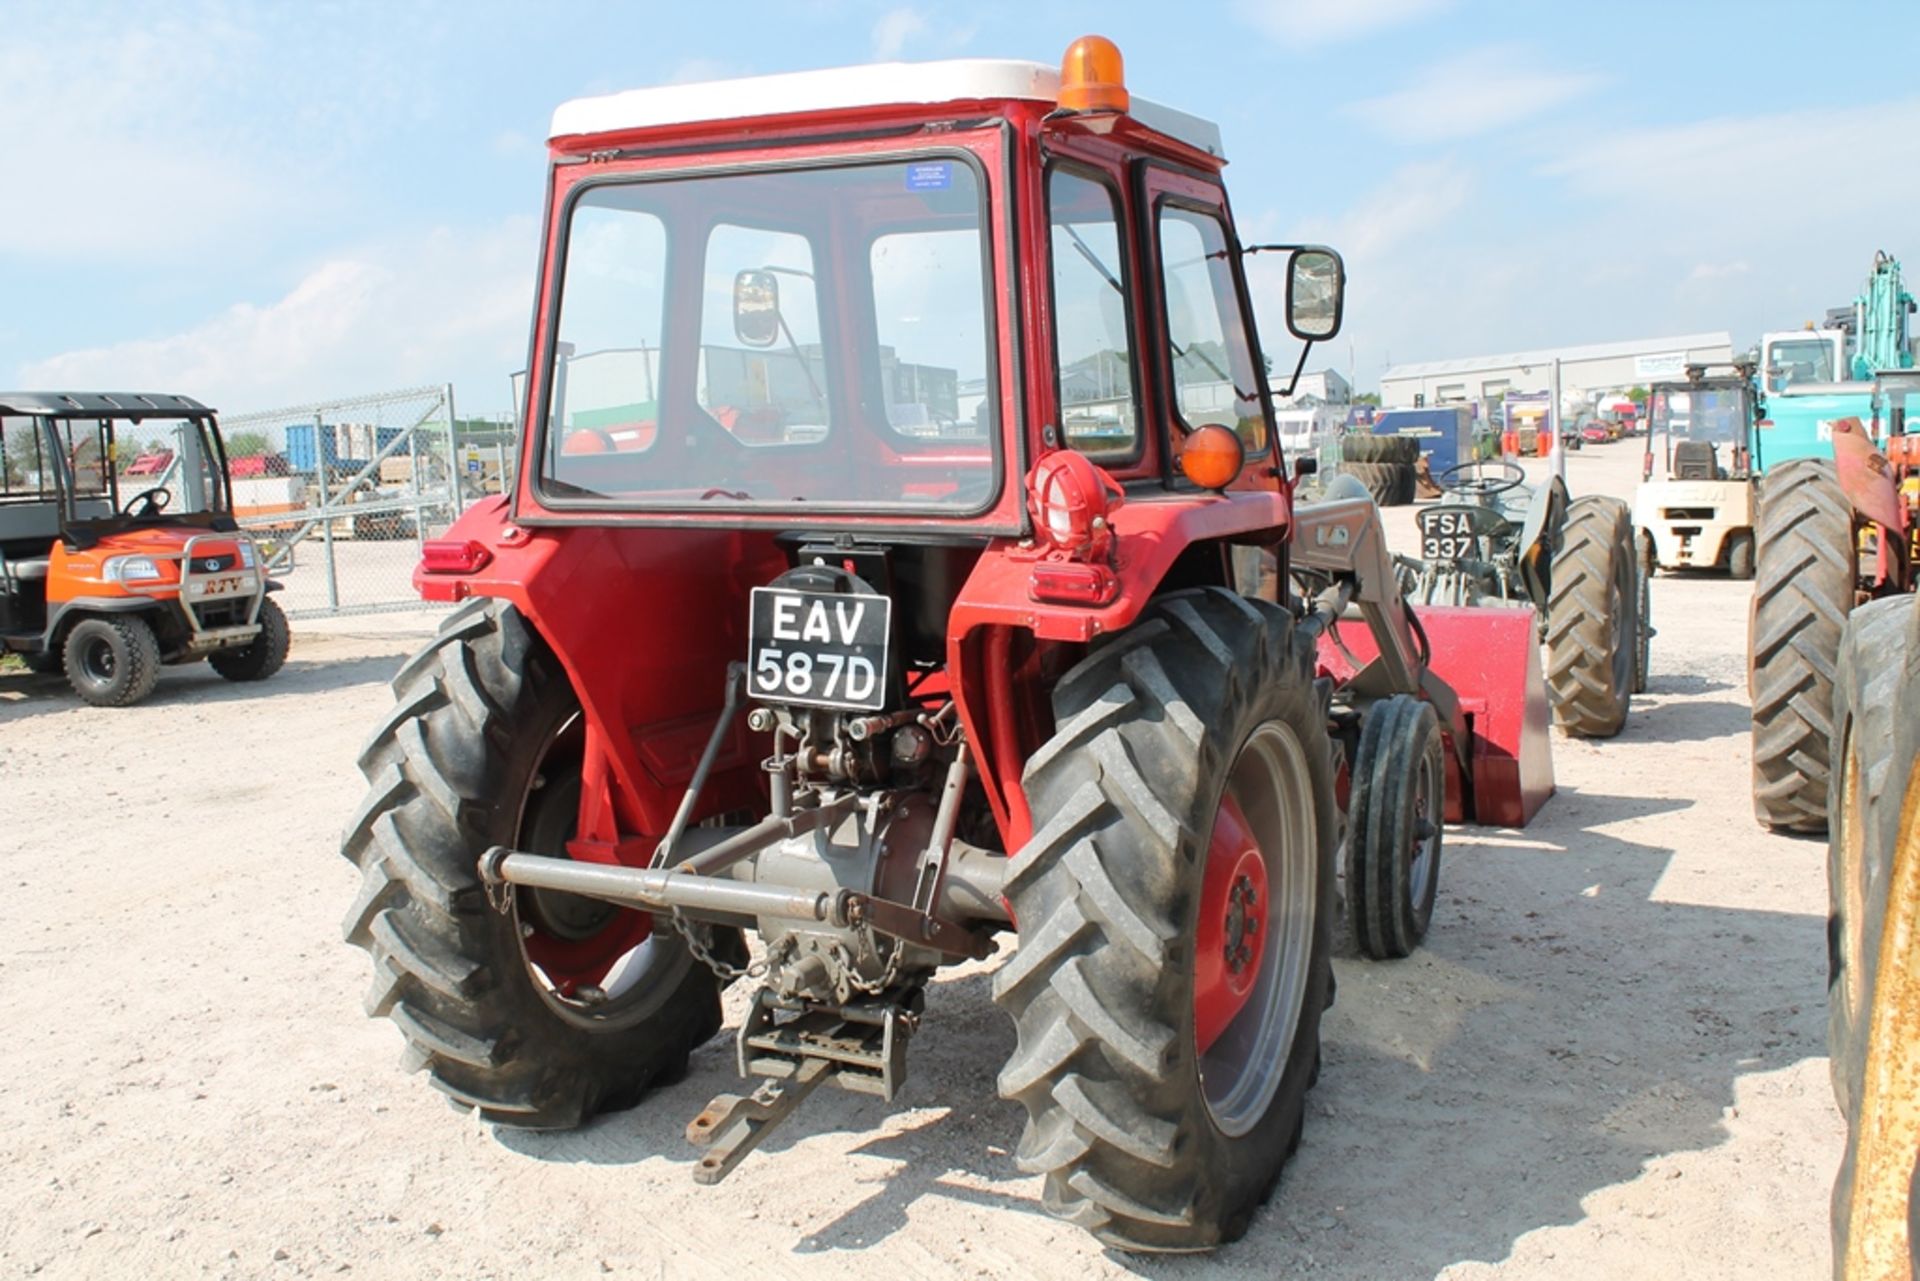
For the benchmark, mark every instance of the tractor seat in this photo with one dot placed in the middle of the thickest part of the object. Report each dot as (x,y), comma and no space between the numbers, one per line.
(28,571)
(1695,460)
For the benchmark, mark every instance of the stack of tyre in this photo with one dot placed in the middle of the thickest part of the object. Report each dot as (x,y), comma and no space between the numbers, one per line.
(1384,464)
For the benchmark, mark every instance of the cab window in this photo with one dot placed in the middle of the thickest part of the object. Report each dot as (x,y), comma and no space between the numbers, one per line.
(1092,351)
(1213,375)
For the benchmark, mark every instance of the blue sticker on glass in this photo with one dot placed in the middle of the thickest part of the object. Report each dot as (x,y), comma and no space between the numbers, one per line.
(930,176)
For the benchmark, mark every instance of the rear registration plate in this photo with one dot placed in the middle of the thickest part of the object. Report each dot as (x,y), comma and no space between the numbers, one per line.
(821,649)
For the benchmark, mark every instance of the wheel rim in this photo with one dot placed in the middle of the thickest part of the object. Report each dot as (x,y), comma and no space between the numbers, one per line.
(1264,850)
(1426,830)
(588,959)
(1626,641)
(98,661)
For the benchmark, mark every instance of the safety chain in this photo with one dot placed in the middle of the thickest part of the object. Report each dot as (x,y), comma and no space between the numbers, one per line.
(871,987)
(725,972)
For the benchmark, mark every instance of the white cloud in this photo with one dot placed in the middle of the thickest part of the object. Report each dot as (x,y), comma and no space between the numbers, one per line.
(1478,91)
(895,28)
(1719,270)
(451,305)
(1306,23)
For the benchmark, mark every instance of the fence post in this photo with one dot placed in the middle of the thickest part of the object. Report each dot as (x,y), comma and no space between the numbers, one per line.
(454,476)
(326,510)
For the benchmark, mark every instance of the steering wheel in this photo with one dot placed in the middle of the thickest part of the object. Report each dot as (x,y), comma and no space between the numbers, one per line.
(152,502)
(1510,476)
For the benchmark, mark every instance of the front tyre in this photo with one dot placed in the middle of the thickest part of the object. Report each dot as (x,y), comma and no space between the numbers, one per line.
(561,1007)
(1176,904)
(112,660)
(261,657)
(1397,812)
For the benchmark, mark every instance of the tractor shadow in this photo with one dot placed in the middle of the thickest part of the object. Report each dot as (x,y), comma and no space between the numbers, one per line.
(25,694)
(1518,1063)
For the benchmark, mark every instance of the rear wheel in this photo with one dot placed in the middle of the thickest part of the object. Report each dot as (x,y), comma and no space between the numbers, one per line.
(559,1007)
(1390,484)
(1393,840)
(261,657)
(1593,619)
(1801,596)
(1643,634)
(112,660)
(1177,899)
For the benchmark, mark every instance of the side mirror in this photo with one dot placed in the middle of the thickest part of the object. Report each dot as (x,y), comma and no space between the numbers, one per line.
(756,308)
(1304,466)
(1316,289)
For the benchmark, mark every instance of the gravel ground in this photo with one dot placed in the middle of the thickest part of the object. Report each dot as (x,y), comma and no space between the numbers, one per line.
(1607,1062)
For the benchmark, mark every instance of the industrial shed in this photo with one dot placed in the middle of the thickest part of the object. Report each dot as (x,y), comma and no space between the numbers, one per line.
(1595,367)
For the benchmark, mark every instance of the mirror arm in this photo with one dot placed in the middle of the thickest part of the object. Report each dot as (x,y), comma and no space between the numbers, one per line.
(1298,367)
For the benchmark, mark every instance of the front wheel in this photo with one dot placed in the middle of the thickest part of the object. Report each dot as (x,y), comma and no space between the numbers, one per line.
(1176,906)
(112,660)
(558,1007)
(263,655)
(1393,841)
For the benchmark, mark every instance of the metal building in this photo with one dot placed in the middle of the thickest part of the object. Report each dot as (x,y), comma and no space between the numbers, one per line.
(1595,367)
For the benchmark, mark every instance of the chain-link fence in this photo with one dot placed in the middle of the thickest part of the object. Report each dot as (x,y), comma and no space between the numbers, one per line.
(340,494)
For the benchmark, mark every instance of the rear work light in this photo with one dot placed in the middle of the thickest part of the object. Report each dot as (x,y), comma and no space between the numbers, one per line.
(454,555)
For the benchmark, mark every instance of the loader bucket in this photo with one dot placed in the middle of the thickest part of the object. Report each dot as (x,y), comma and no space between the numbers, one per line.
(1490,657)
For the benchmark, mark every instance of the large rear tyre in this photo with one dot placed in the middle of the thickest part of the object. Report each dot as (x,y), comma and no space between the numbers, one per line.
(112,660)
(1864,829)
(1393,840)
(1390,484)
(262,656)
(1802,593)
(1177,902)
(1593,619)
(559,1007)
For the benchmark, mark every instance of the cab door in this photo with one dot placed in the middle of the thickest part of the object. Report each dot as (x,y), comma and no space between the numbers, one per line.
(1200,332)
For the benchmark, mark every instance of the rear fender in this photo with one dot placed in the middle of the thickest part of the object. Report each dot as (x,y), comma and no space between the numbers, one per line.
(1002,642)
(1540,538)
(644,621)
(1490,657)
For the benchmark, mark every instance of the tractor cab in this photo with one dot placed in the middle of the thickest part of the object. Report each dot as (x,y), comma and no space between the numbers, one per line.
(118,548)
(1695,506)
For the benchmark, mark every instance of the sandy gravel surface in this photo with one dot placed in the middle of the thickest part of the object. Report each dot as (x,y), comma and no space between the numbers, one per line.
(1606,1063)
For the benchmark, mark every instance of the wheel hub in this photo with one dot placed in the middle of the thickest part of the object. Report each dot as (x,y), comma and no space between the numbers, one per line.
(1233,923)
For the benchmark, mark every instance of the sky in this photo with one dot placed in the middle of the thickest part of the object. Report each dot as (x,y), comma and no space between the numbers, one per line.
(269,204)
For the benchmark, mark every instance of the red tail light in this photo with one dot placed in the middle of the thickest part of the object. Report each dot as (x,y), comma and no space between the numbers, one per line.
(1073,583)
(454,556)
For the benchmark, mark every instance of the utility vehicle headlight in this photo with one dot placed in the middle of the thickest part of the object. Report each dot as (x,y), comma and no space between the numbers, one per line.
(246,554)
(132,569)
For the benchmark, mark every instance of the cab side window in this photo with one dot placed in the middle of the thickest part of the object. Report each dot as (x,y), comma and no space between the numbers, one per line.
(1214,378)
(1092,348)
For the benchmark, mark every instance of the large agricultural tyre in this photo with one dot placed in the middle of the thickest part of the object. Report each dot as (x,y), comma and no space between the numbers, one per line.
(558,1007)
(1396,825)
(1802,593)
(1177,900)
(1593,619)
(1390,484)
(1361,447)
(264,655)
(112,660)
(1864,826)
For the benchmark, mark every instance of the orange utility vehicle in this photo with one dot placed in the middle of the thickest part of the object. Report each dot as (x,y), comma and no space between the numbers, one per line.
(110,580)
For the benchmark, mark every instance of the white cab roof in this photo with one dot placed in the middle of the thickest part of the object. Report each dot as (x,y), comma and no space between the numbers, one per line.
(874,85)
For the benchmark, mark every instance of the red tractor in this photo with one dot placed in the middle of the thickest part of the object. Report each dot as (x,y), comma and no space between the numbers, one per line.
(902,556)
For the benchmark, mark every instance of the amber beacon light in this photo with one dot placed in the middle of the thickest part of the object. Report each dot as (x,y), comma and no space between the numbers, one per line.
(1092,77)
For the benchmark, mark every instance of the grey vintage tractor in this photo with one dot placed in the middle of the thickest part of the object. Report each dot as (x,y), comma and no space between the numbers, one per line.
(1494,539)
